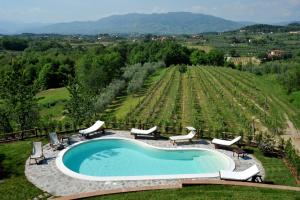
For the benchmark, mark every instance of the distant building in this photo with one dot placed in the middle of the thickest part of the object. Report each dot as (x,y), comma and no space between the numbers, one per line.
(197,36)
(294,32)
(104,37)
(162,38)
(243,60)
(277,54)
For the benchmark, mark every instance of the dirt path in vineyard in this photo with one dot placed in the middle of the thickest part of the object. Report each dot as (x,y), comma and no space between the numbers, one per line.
(292,132)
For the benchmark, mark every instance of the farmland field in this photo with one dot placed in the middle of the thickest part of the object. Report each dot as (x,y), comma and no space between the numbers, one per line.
(52,102)
(244,60)
(225,42)
(214,99)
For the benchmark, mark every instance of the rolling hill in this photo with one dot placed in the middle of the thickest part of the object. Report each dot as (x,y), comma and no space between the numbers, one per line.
(13,27)
(266,28)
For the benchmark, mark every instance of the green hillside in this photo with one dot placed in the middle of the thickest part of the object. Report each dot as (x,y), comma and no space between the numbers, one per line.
(210,98)
(213,99)
(52,102)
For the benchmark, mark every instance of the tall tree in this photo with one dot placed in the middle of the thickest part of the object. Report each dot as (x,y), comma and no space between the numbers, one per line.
(18,97)
(79,106)
(5,124)
(198,57)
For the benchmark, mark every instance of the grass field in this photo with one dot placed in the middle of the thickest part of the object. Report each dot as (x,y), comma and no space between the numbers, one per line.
(211,98)
(244,60)
(295,99)
(52,102)
(207,193)
(12,161)
(284,41)
(275,169)
(205,48)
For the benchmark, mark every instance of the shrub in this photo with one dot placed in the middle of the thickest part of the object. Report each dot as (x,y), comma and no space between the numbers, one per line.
(292,156)
(268,146)
(13,43)
(182,68)
(138,74)
(230,65)
(109,94)
(130,70)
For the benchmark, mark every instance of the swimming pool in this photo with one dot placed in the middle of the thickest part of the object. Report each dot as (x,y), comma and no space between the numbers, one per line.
(127,159)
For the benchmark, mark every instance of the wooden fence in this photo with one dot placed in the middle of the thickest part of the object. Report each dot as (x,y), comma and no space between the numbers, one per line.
(44,131)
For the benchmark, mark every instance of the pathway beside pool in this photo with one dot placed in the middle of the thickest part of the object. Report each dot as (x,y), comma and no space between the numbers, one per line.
(48,178)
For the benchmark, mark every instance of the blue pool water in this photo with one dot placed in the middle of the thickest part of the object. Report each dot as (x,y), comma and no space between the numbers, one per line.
(118,157)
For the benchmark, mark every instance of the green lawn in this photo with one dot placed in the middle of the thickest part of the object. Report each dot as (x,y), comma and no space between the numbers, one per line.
(279,99)
(12,160)
(52,102)
(205,48)
(52,95)
(276,170)
(207,192)
(295,99)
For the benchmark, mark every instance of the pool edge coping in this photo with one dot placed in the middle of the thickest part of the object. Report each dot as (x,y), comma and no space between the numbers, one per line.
(62,168)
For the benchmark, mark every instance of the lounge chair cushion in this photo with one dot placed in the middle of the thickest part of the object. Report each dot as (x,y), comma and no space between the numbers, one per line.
(226,142)
(98,124)
(135,131)
(241,176)
(189,136)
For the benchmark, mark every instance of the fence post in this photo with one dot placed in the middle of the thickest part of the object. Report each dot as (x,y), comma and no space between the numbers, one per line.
(36,132)
(22,134)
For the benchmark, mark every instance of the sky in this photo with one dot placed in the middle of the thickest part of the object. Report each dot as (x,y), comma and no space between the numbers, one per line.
(51,11)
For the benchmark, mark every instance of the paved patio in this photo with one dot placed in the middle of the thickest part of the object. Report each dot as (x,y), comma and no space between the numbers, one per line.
(47,177)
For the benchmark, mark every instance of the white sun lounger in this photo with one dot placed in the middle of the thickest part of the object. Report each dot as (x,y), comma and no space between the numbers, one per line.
(189,137)
(225,142)
(139,132)
(245,175)
(93,129)
(37,152)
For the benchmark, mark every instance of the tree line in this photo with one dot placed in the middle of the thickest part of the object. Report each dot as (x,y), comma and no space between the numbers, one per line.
(94,75)
(286,72)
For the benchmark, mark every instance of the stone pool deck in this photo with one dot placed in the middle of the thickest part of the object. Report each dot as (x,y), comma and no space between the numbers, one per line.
(47,176)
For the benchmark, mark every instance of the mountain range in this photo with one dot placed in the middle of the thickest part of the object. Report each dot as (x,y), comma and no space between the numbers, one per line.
(10,27)
(162,23)
(156,23)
